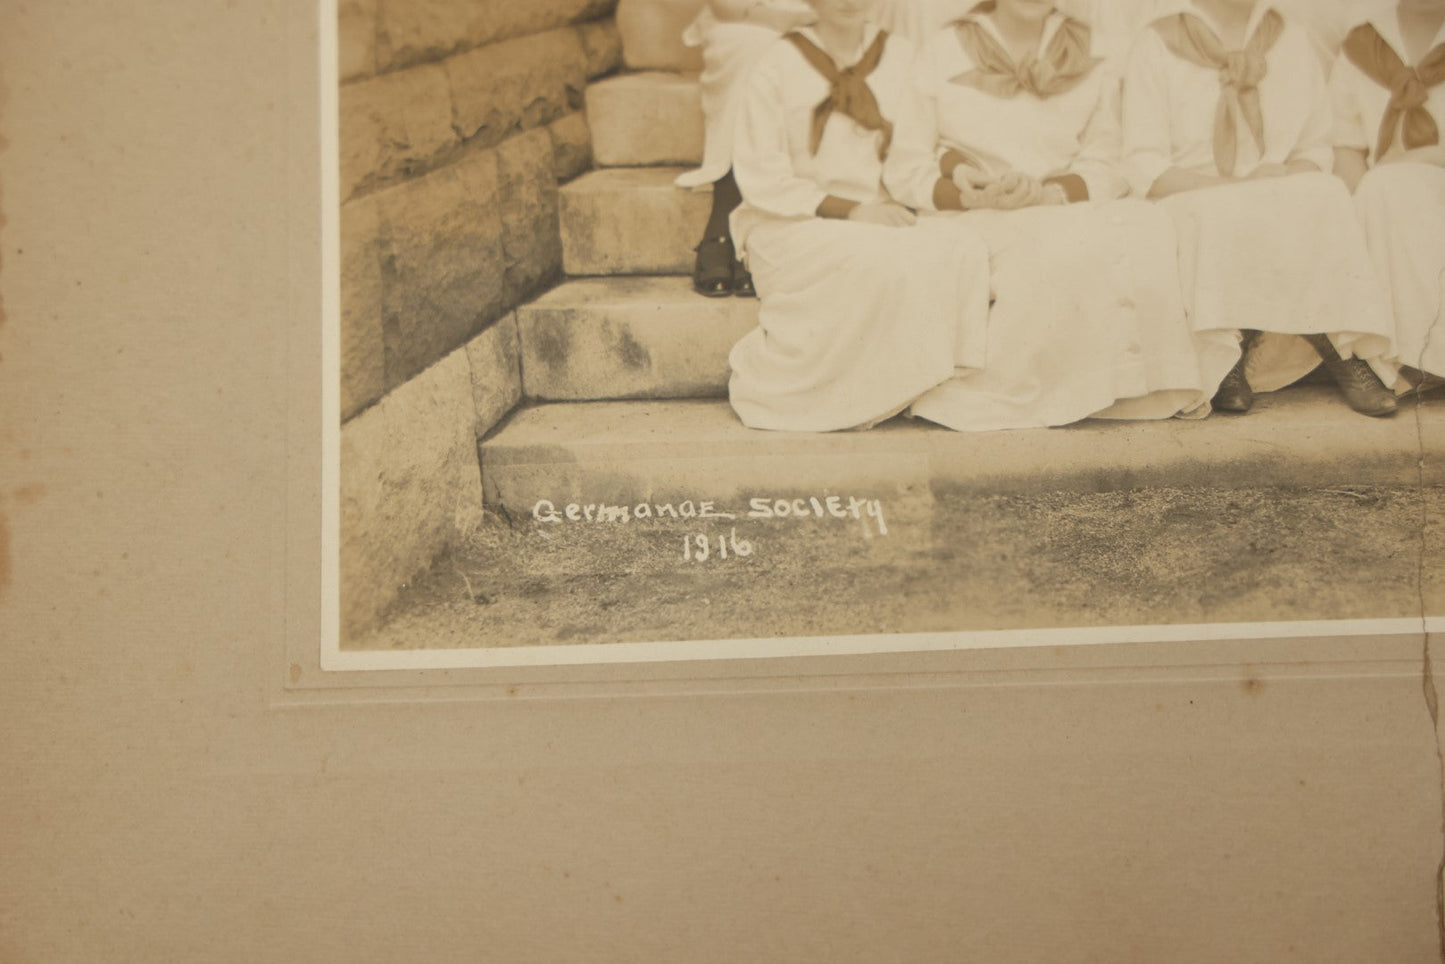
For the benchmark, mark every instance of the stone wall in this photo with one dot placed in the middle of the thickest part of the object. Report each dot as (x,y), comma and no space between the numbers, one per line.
(458,121)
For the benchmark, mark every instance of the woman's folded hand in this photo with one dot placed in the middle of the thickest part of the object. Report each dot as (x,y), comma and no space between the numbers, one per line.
(1015,189)
(974,187)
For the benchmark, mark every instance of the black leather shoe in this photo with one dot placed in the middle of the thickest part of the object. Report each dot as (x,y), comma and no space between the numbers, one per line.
(1361,387)
(743,281)
(1358,382)
(1234,394)
(712,272)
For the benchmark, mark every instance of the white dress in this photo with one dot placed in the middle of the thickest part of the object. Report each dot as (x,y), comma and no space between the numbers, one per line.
(1401,205)
(729,50)
(1087,318)
(1281,255)
(856,320)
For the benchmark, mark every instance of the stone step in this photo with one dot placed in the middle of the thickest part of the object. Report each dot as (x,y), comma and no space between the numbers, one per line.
(629,337)
(625,453)
(630,220)
(645,119)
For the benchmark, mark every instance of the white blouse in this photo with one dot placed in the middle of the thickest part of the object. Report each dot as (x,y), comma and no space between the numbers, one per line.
(1071,132)
(1359,102)
(1170,103)
(778,173)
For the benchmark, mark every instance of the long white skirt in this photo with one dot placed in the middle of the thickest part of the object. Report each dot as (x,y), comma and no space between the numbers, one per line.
(1087,320)
(1402,207)
(856,320)
(1285,256)
(729,51)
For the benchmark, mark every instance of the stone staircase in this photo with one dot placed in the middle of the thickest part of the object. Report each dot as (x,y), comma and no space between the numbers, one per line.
(625,373)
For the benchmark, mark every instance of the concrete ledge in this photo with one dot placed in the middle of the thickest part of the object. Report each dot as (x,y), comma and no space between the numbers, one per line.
(495,360)
(402,125)
(603,46)
(630,337)
(646,119)
(356,39)
(571,146)
(634,451)
(409,485)
(363,353)
(444,270)
(512,86)
(630,221)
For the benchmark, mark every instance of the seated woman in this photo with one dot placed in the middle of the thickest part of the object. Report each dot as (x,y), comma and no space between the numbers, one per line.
(1388,151)
(863,307)
(732,35)
(1227,122)
(1087,318)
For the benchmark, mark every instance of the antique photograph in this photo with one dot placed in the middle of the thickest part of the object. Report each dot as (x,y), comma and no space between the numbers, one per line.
(722,481)
(683,321)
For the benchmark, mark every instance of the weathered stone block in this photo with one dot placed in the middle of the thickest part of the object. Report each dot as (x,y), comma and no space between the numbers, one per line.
(529,214)
(443,269)
(630,220)
(648,337)
(495,357)
(356,39)
(602,44)
(571,146)
(416,31)
(410,485)
(645,119)
(652,34)
(505,88)
(394,126)
(363,366)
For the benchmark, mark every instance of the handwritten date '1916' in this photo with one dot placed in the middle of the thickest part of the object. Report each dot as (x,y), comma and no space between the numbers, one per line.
(701,548)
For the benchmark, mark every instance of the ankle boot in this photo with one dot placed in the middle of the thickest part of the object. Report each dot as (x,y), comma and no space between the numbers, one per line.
(1234,393)
(1358,382)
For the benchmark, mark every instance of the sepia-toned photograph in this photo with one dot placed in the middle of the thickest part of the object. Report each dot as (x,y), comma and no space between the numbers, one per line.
(667,321)
(722,481)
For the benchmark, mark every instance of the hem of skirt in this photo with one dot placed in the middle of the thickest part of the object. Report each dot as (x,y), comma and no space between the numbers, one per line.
(820,418)
(1078,400)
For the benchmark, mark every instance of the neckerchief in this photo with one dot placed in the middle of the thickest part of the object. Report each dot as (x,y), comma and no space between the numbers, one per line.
(1240,71)
(1067,59)
(849,93)
(1409,87)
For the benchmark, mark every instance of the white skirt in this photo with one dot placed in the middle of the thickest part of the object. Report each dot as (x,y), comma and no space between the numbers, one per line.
(1285,256)
(856,320)
(1402,207)
(1087,320)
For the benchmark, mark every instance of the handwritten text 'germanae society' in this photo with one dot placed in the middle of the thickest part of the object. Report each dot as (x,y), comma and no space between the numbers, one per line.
(812,507)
